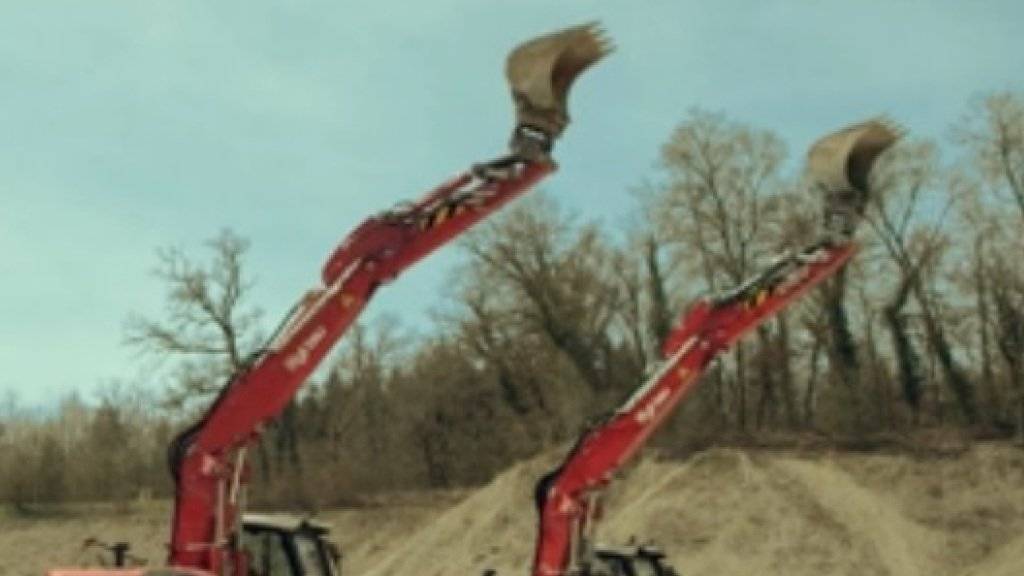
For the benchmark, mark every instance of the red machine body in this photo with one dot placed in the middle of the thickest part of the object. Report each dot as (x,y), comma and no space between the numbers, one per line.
(210,459)
(567,497)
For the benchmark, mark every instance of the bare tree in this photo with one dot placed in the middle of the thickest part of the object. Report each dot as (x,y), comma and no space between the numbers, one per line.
(210,329)
(717,208)
(907,218)
(994,134)
(206,324)
(645,314)
(503,345)
(557,280)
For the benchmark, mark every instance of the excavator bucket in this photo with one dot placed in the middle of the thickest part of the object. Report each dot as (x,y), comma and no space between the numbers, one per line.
(541,71)
(843,160)
(840,164)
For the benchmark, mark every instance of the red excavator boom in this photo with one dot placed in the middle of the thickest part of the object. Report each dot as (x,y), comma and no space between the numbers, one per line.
(710,327)
(209,459)
(567,497)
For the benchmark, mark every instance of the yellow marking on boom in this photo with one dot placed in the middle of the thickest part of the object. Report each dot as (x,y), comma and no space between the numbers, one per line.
(440,216)
(761,297)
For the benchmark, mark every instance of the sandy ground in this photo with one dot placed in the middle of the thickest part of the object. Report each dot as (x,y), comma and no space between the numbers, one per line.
(722,512)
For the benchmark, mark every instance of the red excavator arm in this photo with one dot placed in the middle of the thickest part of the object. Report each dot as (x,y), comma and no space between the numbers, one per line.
(209,459)
(567,498)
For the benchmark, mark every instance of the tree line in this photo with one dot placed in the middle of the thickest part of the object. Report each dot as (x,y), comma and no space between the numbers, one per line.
(551,322)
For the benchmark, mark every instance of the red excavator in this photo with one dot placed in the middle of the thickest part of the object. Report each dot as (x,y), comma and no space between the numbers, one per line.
(209,460)
(568,498)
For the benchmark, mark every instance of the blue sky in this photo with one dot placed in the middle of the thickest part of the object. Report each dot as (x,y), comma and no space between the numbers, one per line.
(126,126)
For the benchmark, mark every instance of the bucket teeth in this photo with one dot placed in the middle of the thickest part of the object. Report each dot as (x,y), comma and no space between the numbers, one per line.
(541,71)
(843,160)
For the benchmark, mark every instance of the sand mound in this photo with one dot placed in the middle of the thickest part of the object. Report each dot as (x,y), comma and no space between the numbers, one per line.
(723,511)
(1006,561)
(492,528)
(737,512)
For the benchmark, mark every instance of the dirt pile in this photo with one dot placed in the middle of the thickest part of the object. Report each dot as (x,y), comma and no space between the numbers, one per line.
(736,512)
(723,511)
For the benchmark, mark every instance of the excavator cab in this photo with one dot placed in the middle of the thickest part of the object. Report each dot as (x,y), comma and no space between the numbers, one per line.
(625,561)
(630,561)
(279,545)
